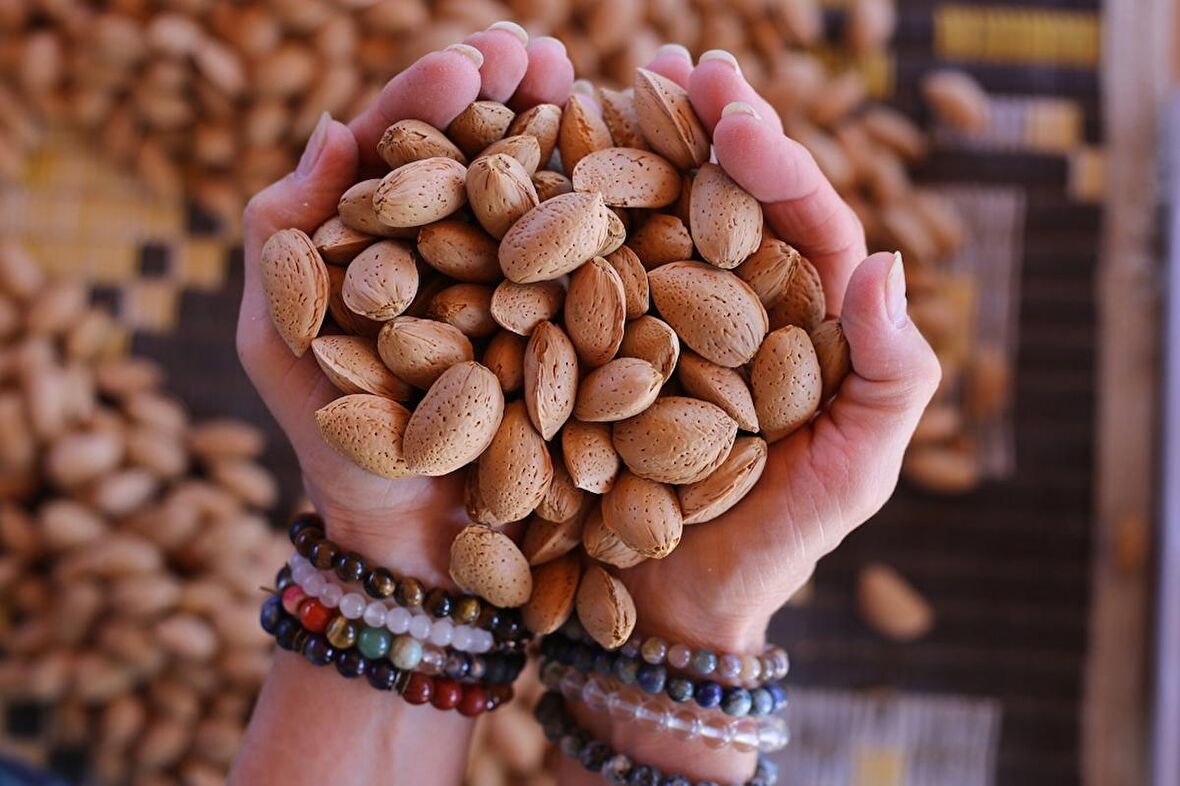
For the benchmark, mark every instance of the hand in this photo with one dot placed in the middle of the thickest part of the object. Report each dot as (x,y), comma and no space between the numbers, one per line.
(407,523)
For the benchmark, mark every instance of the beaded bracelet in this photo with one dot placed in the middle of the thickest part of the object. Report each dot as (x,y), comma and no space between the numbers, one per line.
(415,687)
(734,700)
(627,704)
(617,768)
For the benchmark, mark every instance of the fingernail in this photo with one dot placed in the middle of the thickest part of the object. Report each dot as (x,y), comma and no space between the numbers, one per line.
(468,51)
(583,86)
(676,50)
(512,27)
(740,108)
(721,56)
(895,300)
(551,40)
(315,146)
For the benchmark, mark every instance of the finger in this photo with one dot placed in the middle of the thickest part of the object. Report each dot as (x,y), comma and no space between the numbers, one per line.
(548,78)
(674,62)
(801,205)
(434,90)
(717,82)
(505,59)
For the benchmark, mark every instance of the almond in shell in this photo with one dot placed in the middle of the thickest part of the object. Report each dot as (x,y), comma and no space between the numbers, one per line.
(668,121)
(352,364)
(713,311)
(676,440)
(769,270)
(595,311)
(555,584)
(523,147)
(582,132)
(718,385)
(622,388)
(590,456)
(636,294)
(413,140)
(368,430)
(785,378)
(726,222)
(480,124)
(650,338)
(605,608)
(835,359)
(500,192)
(725,487)
(556,237)
(357,212)
(891,605)
(802,303)
(515,471)
(348,320)
(521,307)
(550,184)
(644,514)
(627,177)
(604,545)
(420,350)
(550,378)
(661,239)
(542,122)
(505,357)
(382,281)
(421,192)
(461,251)
(487,563)
(467,307)
(618,112)
(338,243)
(455,421)
(295,281)
(545,540)
(563,500)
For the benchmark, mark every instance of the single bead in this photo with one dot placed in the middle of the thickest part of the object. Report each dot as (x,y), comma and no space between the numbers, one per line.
(745,738)
(708,694)
(761,702)
(323,554)
(631,646)
(736,702)
(616,769)
(499,694)
(594,695)
(679,656)
(306,539)
(350,664)
(773,735)
(433,660)
(509,625)
(766,668)
(304,521)
(456,665)
(782,663)
(484,641)
(409,593)
(331,594)
(627,670)
(374,643)
(398,619)
(441,633)
(406,652)
(704,662)
(352,605)
(286,632)
(466,610)
(686,724)
(283,577)
(374,615)
(314,616)
(419,689)
(654,715)
(622,705)
(342,632)
(461,637)
(302,572)
(447,694)
(571,684)
(654,650)
(778,693)
(489,617)
(438,603)
(594,754)
(349,566)
(679,689)
(293,598)
(644,775)
(651,678)
(379,583)
(474,701)
(750,668)
(729,666)
(271,613)
(420,627)
(478,668)
(516,662)
(318,651)
(717,731)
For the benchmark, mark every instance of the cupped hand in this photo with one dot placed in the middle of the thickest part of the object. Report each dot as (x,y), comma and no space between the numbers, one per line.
(408,523)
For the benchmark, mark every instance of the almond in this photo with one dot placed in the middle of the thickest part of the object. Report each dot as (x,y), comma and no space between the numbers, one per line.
(713,311)
(348,320)
(551,184)
(676,440)
(467,307)
(545,540)
(339,243)
(627,177)
(412,140)
(563,500)
(352,364)
(461,251)
(832,352)
(726,222)
(505,357)
(582,132)
(803,302)
(525,148)
(661,239)
(644,514)
(487,563)
(521,307)
(957,99)
(718,385)
(295,281)
(605,608)
(667,120)
(768,270)
(480,124)
(943,469)
(556,237)
(634,278)
(595,311)
(890,605)
(653,340)
(367,430)
(420,350)
(986,384)
(786,381)
(590,455)
(420,192)
(550,378)
(618,112)
(889,127)
(357,212)
(620,389)
(381,282)
(455,421)
(515,471)
(500,192)
(554,586)
(725,487)
(542,122)
(604,545)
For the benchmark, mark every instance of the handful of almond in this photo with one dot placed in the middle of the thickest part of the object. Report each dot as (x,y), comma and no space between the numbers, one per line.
(577,309)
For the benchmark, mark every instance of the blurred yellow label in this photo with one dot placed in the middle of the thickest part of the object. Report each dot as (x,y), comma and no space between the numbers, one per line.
(1004,34)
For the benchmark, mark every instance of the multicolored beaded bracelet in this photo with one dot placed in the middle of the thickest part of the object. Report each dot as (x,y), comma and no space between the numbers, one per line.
(627,704)
(734,700)
(617,768)
(415,687)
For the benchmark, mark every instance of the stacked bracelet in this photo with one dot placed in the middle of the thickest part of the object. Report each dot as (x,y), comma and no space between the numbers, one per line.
(617,768)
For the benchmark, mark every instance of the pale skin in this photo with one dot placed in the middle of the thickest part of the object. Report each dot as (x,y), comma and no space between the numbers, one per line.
(727,577)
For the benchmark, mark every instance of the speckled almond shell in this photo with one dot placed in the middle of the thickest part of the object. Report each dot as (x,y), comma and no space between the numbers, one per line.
(627,177)
(652,339)
(725,487)
(726,222)
(583,131)
(480,124)
(644,514)
(550,378)
(661,239)
(521,307)
(412,140)
(342,315)
(802,303)
(595,311)
(467,307)
(605,608)
(421,192)
(636,293)
(515,471)
(382,281)
(357,212)
(460,250)
(338,243)
(590,455)
(525,148)
(295,281)
(351,364)
(555,584)
(620,389)
(785,378)
(550,184)
(563,500)
(718,385)
(616,232)
(833,354)
(713,311)
(768,270)
(667,120)
(604,545)
(555,238)
(504,355)
(543,122)
(545,540)
(676,440)
(455,421)
(618,111)
(487,563)
(420,350)
(367,430)
(500,192)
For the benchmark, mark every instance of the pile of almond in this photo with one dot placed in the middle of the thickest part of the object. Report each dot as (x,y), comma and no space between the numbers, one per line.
(132,547)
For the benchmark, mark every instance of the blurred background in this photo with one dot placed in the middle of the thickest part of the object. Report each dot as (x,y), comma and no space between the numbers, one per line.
(993,624)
